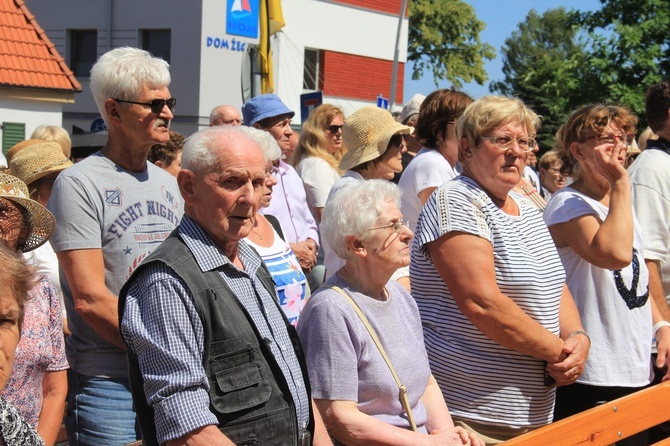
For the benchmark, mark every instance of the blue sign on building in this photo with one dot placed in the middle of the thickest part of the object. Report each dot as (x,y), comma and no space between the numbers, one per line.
(382,102)
(242,18)
(308,102)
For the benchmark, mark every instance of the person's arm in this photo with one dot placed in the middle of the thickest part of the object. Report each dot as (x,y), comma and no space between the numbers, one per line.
(656,287)
(93,302)
(662,336)
(352,427)
(163,329)
(425,194)
(305,252)
(318,213)
(321,437)
(606,244)
(482,302)
(576,346)
(54,391)
(204,436)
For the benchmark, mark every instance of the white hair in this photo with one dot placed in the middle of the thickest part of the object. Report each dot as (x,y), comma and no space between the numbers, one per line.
(122,73)
(200,152)
(354,209)
(267,142)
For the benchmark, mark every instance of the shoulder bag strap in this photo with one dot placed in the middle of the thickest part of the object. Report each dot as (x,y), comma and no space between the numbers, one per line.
(404,400)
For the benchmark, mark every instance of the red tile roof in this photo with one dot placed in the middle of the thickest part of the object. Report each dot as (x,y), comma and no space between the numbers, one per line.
(27,56)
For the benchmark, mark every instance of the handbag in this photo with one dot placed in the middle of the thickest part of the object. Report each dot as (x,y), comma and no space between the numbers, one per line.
(402,390)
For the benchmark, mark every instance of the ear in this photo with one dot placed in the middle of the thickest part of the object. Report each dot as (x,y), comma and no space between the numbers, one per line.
(576,151)
(465,148)
(112,110)
(185,181)
(257,126)
(160,164)
(355,246)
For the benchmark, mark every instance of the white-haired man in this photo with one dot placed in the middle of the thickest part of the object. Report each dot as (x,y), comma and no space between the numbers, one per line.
(112,209)
(213,359)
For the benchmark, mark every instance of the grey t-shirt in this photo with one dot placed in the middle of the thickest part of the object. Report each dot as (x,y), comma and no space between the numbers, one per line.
(99,205)
(344,363)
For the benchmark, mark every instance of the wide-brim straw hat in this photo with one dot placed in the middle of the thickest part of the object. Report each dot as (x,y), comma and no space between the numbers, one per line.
(16,148)
(366,135)
(41,222)
(37,161)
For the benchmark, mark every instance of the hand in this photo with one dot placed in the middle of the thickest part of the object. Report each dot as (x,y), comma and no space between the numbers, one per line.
(568,370)
(306,253)
(609,160)
(663,347)
(457,437)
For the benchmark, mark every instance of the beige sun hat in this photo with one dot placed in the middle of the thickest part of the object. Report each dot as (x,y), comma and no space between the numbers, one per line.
(366,134)
(41,222)
(37,161)
(412,107)
(16,148)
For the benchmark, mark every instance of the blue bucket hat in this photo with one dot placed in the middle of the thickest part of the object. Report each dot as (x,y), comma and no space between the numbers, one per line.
(264,106)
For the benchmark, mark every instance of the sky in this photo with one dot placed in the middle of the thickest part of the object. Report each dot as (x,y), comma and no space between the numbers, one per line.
(501,18)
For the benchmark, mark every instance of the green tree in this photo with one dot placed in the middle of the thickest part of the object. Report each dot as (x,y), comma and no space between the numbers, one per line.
(629,48)
(443,38)
(543,64)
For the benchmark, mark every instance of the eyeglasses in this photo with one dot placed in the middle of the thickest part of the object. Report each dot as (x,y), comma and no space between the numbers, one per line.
(334,128)
(156,105)
(397,140)
(397,226)
(506,142)
(272,172)
(604,138)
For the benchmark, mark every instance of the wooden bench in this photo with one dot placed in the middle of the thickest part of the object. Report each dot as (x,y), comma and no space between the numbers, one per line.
(606,424)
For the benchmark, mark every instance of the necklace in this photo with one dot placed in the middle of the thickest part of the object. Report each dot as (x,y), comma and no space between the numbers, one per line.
(256,231)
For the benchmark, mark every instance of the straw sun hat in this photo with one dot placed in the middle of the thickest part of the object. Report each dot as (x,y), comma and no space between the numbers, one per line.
(37,161)
(39,220)
(366,134)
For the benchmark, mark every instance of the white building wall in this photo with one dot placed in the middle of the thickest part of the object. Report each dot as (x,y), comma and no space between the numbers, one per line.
(30,112)
(205,74)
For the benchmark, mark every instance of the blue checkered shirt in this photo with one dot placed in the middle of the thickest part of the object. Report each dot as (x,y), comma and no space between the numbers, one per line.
(161,325)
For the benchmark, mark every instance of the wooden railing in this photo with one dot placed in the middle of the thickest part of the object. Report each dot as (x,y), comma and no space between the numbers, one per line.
(606,424)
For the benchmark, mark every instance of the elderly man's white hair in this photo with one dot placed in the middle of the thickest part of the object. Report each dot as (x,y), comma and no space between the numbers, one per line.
(353,209)
(269,146)
(122,73)
(200,152)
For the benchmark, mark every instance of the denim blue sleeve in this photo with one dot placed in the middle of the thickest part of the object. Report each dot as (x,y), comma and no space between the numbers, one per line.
(162,327)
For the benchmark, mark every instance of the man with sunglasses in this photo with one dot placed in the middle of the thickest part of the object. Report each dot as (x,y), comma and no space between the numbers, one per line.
(650,182)
(289,201)
(112,210)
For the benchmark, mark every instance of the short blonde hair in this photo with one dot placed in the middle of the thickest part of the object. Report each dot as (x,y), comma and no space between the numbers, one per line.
(53,133)
(491,112)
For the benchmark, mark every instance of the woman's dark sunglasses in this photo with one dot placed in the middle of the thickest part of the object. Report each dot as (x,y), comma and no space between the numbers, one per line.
(334,128)
(156,105)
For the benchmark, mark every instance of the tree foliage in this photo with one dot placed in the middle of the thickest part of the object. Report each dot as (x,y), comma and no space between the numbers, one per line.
(543,64)
(561,60)
(444,39)
(629,48)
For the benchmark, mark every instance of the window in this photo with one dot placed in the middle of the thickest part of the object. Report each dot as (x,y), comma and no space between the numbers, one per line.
(83,51)
(310,79)
(157,42)
(12,133)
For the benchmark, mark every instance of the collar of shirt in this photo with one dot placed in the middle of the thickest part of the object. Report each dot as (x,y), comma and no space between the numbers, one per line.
(282,167)
(207,254)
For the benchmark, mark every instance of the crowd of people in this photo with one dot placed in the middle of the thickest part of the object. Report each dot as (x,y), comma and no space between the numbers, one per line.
(370,281)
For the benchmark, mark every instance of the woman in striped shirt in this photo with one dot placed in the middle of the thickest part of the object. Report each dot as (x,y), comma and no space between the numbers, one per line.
(490,286)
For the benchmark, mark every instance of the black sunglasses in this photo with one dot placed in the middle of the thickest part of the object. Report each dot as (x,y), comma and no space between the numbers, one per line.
(334,128)
(156,105)
(397,140)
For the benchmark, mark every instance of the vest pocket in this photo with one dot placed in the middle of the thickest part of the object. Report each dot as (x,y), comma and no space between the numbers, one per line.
(240,387)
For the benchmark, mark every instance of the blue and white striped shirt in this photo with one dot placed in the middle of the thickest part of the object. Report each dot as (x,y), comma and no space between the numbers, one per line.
(161,325)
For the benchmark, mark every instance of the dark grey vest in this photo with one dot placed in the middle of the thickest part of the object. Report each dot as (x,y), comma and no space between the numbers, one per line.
(248,392)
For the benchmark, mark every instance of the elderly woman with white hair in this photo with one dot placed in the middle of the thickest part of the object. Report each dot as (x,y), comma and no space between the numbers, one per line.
(352,381)
(267,237)
(375,144)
